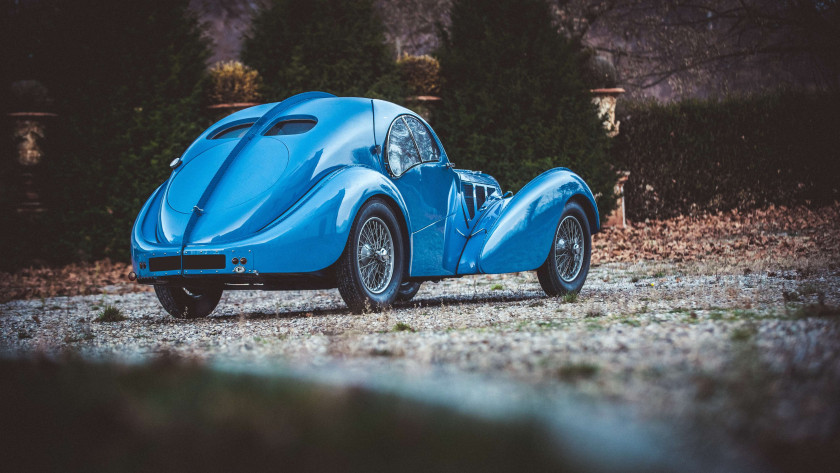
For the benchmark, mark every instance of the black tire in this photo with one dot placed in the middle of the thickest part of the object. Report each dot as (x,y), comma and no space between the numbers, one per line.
(377,289)
(560,274)
(407,291)
(188,303)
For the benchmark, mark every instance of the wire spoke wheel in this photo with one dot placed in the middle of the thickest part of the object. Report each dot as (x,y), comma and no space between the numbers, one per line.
(567,264)
(370,271)
(375,254)
(188,302)
(568,249)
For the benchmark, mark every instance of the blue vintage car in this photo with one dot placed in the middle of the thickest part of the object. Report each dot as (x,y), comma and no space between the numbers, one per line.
(319,191)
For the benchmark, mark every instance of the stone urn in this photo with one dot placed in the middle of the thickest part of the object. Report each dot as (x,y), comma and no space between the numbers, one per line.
(29,132)
(605,100)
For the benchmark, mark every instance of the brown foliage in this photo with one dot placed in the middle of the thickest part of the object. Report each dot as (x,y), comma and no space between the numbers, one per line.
(778,234)
(73,280)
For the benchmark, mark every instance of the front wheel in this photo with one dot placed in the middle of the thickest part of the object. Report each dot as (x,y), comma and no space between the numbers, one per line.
(371,267)
(567,265)
(407,291)
(188,302)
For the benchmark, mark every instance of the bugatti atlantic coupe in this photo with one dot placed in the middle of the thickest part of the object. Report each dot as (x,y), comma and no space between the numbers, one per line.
(319,191)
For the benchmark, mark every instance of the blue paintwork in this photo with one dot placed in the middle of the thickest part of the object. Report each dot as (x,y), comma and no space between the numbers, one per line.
(521,236)
(287,203)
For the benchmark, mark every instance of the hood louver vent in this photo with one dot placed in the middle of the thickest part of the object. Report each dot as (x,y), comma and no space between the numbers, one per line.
(475,195)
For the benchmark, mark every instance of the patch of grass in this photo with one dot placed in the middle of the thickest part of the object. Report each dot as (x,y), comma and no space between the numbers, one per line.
(679,310)
(745,314)
(570,297)
(717,315)
(634,279)
(594,313)
(632,322)
(577,371)
(659,274)
(547,324)
(742,334)
(110,314)
(497,287)
(403,327)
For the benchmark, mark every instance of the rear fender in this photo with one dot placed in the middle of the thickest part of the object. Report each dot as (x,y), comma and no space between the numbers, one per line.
(312,234)
(521,237)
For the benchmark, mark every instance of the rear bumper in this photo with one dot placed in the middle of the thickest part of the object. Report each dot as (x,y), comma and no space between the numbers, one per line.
(275,281)
(168,262)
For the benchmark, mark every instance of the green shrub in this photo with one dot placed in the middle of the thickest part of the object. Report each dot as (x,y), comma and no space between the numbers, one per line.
(336,46)
(420,74)
(232,81)
(699,156)
(514,102)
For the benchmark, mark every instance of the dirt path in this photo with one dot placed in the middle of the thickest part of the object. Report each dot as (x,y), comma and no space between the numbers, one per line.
(755,356)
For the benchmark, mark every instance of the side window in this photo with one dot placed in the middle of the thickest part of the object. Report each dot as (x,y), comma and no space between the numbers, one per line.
(400,151)
(425,143)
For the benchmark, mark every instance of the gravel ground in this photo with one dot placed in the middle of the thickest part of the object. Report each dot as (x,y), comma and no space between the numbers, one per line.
(755,356)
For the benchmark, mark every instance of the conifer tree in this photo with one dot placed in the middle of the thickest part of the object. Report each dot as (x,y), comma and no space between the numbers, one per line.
(335,46)
(514,102)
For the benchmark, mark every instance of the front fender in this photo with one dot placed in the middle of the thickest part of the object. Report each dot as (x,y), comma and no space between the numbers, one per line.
(521,238)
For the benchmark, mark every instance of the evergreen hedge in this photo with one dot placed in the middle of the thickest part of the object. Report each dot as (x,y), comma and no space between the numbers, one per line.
(706,156)
(335,46)
(127,78)
(514,101)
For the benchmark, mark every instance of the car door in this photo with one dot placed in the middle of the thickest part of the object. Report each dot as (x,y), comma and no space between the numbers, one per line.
(424,177)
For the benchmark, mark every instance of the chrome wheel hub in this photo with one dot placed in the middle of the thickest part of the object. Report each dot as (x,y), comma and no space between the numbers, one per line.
(375,254)
(568,249)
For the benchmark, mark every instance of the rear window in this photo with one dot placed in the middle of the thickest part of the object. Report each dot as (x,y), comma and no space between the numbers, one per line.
(291,127)
(237,131)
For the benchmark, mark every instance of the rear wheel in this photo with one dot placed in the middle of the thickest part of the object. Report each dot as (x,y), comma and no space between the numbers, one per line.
(188,302)
(567,265)
(371,267)
(407,291)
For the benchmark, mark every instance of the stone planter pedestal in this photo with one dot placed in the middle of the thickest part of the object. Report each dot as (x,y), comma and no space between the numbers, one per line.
(423,105)
(221,110)
(605,100)
(29,131)
(618,218)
